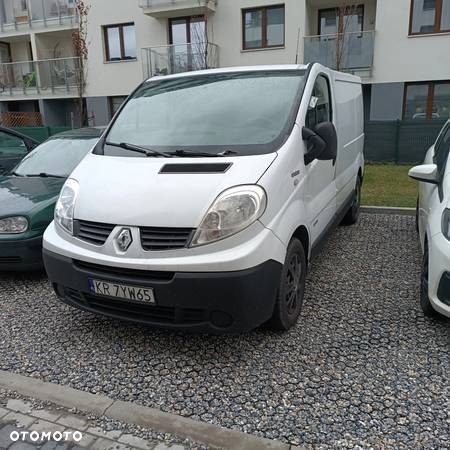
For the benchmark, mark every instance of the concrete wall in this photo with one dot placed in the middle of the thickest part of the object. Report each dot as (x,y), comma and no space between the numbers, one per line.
(59,112)
(98,110)
(386,101)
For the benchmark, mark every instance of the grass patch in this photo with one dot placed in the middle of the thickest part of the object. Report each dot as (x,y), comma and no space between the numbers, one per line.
(388,185)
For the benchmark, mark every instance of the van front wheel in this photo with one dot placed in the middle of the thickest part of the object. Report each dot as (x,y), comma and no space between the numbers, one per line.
(292,287)
(353,213)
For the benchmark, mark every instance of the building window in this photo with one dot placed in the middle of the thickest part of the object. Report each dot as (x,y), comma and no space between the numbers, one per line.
(263,27)
(350,19)
(427,101)
(115,103)
(429,16)
(120,42)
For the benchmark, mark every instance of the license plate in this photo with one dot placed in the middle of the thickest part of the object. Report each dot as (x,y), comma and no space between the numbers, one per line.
(125,291)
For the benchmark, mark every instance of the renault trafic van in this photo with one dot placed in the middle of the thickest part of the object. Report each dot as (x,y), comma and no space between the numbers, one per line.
(205,199)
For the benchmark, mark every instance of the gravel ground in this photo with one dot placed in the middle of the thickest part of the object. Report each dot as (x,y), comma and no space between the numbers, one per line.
(363,368)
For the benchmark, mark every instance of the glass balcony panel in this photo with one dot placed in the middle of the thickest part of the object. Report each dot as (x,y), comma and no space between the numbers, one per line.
(22,14)
(345,51)
(52,76)
(170,59)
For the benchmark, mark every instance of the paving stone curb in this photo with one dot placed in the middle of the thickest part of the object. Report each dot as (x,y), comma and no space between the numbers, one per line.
(396,211)
(209,434)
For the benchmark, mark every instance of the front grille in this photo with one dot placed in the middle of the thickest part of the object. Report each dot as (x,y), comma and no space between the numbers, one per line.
(92,232)
(153,238)
(136,274)
(136,311)
(10,259)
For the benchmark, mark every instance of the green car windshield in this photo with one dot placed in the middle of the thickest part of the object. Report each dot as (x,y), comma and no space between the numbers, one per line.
(55,157)
(245,112)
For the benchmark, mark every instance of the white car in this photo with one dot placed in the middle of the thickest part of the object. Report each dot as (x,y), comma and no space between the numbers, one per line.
(207,196)
(433,222)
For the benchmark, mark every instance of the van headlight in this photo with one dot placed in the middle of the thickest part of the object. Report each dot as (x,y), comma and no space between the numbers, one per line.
(446,223)
(13,225)
(66,205)
(233,210)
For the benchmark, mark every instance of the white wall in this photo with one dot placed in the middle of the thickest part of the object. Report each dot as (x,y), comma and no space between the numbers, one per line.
(227,33)
(402,58)
(118,78)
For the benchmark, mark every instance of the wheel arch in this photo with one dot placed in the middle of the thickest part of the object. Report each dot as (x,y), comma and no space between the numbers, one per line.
(301,233)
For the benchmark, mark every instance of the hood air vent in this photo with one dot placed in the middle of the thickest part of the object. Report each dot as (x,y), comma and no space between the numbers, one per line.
(196,168)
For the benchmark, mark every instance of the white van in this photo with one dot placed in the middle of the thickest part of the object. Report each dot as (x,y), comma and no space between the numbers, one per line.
(206,197)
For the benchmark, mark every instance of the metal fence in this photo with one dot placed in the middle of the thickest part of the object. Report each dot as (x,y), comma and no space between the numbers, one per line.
(400,141)
(390,141)
(40,133)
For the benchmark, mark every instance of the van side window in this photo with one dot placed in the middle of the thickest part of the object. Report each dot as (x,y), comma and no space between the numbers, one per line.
(442,151)
(322,110)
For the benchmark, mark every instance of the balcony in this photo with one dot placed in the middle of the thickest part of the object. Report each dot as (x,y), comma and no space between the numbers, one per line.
(177,8)
(40,79)
(23,15)
(170,59)
(348,52)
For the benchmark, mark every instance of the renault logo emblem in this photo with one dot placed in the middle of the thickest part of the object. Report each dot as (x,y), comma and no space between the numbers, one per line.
(124,239)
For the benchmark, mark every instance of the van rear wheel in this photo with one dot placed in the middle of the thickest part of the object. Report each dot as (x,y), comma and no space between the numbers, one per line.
(292,287)
(353,213)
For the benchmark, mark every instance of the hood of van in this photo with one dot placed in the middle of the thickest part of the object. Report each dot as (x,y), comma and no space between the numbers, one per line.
(158,192)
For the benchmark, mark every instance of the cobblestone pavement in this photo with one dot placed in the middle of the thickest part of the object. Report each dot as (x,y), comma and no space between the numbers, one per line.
(23,422)
(362,369)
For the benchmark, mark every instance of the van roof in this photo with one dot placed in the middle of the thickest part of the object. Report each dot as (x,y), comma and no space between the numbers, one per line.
(233,69)
(338,75)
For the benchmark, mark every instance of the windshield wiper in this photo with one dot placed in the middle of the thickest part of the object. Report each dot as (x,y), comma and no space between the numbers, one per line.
(139,149)
(42,175)
(189,153)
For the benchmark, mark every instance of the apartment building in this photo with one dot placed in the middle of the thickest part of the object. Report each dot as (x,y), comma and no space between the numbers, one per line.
(400,48)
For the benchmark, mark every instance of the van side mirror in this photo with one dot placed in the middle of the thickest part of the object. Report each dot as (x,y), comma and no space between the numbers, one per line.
(426,173)
(321,143)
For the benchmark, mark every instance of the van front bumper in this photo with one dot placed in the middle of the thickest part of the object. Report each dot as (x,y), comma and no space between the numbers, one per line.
(217,302)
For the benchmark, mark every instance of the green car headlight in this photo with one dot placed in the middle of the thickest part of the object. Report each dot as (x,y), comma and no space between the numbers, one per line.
(13,225)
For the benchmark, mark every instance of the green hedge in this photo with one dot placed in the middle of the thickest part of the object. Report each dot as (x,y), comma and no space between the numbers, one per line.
(41,133)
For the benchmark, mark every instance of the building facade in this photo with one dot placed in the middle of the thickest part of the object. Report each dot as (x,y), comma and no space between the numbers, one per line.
(400,48)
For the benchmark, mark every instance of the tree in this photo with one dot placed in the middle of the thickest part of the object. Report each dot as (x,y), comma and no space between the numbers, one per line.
(345,13)
(80,46)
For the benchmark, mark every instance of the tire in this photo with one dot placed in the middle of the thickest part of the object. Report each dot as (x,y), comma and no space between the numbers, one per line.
(353,213)
(425,303)
(292,288)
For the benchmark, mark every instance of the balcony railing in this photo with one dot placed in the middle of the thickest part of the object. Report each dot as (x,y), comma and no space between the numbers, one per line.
(44,78)
(169,59)
(345,51)
(19,15)
(170,8)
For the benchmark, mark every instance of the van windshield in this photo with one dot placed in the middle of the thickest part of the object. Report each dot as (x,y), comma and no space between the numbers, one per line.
(240,112)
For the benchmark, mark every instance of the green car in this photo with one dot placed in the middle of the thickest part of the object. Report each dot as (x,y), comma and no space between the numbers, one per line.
(29,192)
